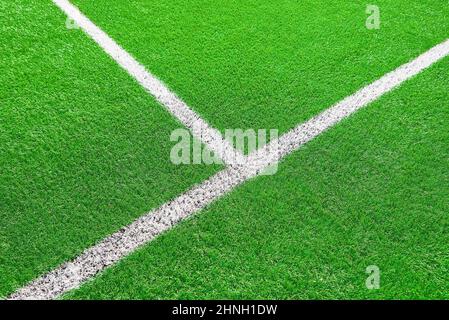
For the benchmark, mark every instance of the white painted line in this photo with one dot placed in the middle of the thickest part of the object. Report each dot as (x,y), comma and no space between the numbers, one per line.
(199,128)
(120,244)
(72,274)
(303,133)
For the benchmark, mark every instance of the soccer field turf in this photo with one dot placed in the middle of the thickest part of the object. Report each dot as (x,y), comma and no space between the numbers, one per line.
(86,150)
(369,192)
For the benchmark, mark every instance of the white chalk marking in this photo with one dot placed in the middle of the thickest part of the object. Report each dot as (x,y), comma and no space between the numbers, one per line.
(72,274)
(303,133)
(178,108)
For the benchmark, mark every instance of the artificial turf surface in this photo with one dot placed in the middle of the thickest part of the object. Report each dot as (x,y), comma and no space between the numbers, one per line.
(371,191)
(264,64)
(84,149)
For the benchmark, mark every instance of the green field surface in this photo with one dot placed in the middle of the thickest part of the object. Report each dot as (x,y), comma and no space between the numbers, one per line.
(264,64)
(371,191)
(84,149)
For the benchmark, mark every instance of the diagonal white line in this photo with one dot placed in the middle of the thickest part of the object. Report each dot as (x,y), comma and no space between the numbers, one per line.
(315,126)
(72,274)
(178,108)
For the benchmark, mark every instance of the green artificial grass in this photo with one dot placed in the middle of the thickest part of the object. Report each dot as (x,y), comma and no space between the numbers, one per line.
(371,191)
(264,64)
(84,149)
